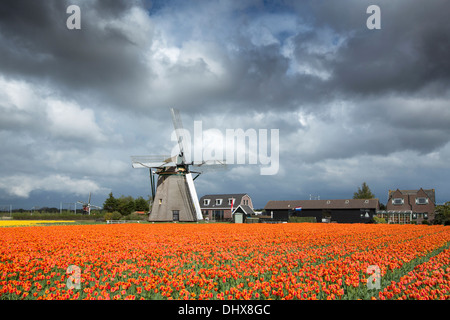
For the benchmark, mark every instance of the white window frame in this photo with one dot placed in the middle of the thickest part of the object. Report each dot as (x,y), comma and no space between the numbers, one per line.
(206,202)
(422,198)
(402,201)
(218,202)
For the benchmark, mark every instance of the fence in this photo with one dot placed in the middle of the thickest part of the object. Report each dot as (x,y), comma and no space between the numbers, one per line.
(122,221)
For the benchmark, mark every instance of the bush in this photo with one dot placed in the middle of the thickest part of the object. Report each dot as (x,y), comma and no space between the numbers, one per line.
(379,220)
(113,215)
(134,217)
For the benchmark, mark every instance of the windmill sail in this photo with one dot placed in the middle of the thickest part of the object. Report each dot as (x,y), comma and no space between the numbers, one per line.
(178,125)
(193,192)
(175,198)
(155,161)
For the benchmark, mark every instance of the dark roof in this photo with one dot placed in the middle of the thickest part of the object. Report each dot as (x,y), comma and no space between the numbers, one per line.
(323,204)
(429,192)
(224,197)
(244,209)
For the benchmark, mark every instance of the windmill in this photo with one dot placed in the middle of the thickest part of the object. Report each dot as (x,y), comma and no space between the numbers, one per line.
(87,205)
(175,197)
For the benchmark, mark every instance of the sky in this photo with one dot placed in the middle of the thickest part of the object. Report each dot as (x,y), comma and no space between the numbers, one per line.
(350,104)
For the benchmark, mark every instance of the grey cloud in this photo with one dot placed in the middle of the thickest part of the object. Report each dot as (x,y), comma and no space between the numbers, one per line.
(362,93)
(407,53)
(37,45)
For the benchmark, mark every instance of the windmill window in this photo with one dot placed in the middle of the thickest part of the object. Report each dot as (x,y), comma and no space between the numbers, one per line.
(398,201)
(160,201)
(218,202)
(206,202)
(421,200)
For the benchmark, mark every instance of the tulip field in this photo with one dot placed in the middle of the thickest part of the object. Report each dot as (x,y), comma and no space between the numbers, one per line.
(225,261)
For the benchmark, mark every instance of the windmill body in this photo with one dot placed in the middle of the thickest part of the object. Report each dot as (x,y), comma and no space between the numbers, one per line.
(175,198)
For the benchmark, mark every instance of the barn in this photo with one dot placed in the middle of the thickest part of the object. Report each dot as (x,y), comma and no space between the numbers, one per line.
(336,210)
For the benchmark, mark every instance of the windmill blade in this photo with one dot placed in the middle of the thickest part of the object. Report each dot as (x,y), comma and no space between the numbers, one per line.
(178,125)
(89,200)
(210,165)
(155,161)
(194,197)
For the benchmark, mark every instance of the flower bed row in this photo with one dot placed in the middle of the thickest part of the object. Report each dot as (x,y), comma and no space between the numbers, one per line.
(221,261)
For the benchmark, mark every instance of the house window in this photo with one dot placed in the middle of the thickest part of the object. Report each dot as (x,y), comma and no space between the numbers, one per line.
(421,200)
(218,202)
(218,215)
(398,201)
(230,200)
(206,202)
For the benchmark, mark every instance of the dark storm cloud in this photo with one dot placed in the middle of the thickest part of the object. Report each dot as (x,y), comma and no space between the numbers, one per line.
(408,53)
(403,56)
(36,45)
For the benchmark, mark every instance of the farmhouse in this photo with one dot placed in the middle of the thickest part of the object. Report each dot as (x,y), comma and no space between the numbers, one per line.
(219,206)
(342,210)
(406,206)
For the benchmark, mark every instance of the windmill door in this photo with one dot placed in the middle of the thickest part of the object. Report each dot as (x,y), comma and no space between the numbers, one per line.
(176,215)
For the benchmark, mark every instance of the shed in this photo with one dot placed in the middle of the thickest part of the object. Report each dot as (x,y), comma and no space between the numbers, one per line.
(241,213)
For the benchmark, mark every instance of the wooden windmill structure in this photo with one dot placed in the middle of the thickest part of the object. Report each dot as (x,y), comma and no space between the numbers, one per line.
(175,198)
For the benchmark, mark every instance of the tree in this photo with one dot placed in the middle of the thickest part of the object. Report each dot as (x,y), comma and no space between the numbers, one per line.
(126,205)
(363,192)
(442,214)
(111,204)
(141,204)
